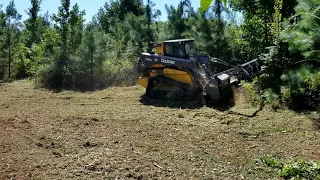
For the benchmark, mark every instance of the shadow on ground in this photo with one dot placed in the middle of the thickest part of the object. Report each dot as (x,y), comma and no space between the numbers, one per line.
(3,82)
(316,123)
(184,104)
(311,114)
(85,89)
(59,90)
(315,117)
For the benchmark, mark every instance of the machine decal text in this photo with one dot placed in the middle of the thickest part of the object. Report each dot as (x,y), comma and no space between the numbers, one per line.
(168,61)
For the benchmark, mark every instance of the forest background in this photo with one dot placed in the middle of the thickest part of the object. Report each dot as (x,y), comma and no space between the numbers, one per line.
(63,51)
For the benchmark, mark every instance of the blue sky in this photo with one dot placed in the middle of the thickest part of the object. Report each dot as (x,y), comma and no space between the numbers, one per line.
(91,7)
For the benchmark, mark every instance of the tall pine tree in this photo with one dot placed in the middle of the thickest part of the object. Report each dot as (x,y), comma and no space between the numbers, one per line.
(2,52)
(12,32)
(151,15)
(177,21)
(33,23)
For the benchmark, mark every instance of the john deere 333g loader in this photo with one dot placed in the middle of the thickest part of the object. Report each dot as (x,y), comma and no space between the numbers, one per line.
(175,71)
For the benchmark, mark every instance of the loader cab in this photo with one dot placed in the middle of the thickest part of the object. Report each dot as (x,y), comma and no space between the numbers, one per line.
(179,48)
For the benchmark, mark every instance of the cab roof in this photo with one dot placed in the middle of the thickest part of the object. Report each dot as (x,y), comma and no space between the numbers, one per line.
(178,40)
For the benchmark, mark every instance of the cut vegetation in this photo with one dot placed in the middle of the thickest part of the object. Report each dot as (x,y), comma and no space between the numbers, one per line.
(83,116)
(117,133)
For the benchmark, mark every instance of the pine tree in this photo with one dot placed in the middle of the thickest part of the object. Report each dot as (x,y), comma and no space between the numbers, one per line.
(76,27)
(69,24)
(304,34)
(151,14)
(12,22)
(89,47)
(115,11)
(33,24)
(62,25)
(130,6)
(219,29)
(2,31)
(177,25)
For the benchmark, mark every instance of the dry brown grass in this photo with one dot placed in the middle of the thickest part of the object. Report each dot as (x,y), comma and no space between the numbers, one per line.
(111,134)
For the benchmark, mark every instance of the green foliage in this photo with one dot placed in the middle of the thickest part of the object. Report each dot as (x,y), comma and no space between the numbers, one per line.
(253,35)
(298,169)
(76,28)
(274,68)
(303,34)
(262,24)
(34,24)
(273,163)
(37,59)
(204,5)
(87,64)
(11,34)
(302,87)
(136,36)
(2,28)
(130,6)
(162,31)
(256,27)
(91,67)
(115,11)
(277,20)
(272,99)
(176,20)
(211,37)
(253,92)
(20,67)
(121,73)
(151,14)
(69,24)
(238,46)
(49,76)
(69,28)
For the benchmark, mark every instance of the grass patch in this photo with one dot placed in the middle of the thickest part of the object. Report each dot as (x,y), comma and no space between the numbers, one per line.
(297,169)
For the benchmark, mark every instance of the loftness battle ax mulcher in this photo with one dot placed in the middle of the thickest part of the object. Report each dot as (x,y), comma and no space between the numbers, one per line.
(175,71)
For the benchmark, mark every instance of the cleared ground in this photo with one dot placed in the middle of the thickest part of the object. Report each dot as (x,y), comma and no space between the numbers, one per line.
(116,134)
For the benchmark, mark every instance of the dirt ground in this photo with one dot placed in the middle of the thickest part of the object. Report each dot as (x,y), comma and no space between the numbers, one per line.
(117,134)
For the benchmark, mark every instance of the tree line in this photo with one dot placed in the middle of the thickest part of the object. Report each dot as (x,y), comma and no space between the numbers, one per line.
(60,50)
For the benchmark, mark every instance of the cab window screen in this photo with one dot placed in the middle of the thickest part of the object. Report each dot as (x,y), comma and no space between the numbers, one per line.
(169,50)
(175,51)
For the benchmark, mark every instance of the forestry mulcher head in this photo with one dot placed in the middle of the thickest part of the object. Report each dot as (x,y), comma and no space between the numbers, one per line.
(175,71)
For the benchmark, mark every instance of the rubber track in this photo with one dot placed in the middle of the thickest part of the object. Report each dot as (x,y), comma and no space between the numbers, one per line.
(184,86)
(172,82)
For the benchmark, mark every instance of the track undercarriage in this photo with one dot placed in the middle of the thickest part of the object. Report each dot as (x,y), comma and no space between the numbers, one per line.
(162,87)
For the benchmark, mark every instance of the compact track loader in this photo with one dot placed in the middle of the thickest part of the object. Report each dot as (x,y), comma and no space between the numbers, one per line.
(175,71)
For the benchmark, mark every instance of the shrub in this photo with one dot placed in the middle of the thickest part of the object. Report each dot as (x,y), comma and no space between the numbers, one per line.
(253,92)
(50,77)
(113,73)
(274,67)
(120,73)
(298,169)
(272,99)
(302,87)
